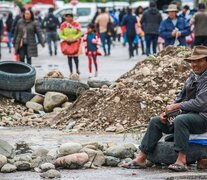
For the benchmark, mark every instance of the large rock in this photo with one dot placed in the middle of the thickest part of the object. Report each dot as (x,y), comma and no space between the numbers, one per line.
(47,166)
(54,99)
(95,156)
(23,157)
(112,161)
(124,151)
(72,161)
(3,160)
(52,173)
(22,165)
(70,148)
(53,154)
(6,149)
(38,99)
(40,152)
(98,83)
(8,168)
(164,153)
(35,106)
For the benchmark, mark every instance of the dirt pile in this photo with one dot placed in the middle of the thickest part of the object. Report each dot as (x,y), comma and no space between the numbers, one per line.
(136,96)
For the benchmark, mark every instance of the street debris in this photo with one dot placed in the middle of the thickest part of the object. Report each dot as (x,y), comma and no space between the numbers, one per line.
(136,96)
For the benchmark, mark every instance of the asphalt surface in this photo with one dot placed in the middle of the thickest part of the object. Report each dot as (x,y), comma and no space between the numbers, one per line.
(110,68)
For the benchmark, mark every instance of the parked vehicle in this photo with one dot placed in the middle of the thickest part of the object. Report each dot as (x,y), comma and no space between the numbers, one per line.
(83,13)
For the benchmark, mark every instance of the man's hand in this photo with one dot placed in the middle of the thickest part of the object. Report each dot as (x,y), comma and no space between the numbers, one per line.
(163,118)
(172,107)
(174,33)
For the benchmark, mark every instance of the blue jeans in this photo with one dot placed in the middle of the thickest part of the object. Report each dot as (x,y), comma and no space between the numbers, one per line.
(52,37)
(151,39)
(105,39)
(9,40)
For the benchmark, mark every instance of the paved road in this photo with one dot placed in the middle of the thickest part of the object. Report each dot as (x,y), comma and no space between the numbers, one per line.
(110,67)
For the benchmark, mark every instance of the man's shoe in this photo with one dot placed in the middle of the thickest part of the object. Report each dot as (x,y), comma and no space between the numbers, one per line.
(50,53)
(55,52)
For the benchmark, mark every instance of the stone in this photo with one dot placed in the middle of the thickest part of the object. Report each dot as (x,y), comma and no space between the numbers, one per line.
(112,161)
(70,148)
(6,149)
(42,152)
(119,128)
(38,99)
(66,105)
(22,165)
(34,106)
(37,162)
(3,160)
(95,156)
(23,157)
(110,129)
(8,168)
(57,109)
(54,99)
(47,166)
(123,151)
(145,71)
(52,173)
(117,99)
(75,77)
(73,161)
(53,154)
(54,74)
(93,83)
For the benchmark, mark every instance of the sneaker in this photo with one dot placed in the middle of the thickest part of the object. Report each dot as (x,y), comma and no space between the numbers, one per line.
(55,52)
(90,75)
(96,74)
(51,53)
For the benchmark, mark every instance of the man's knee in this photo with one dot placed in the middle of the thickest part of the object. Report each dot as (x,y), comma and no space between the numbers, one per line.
(155,120)
(180,120)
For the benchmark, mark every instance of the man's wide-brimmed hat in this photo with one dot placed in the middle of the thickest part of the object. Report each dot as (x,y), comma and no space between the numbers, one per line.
(199,52)
(172,8)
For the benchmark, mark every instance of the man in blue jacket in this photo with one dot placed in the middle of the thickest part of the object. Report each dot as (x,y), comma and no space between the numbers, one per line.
(192,100)
(174,29)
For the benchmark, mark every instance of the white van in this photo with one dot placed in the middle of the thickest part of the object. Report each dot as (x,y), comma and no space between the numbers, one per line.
(83,13)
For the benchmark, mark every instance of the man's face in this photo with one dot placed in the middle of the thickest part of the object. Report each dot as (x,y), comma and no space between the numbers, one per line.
(199,66)
(172,14)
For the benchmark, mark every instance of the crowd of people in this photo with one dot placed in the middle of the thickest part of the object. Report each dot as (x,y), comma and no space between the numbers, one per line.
(144,28)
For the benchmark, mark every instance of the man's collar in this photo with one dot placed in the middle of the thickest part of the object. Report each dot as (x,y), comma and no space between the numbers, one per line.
(197,77)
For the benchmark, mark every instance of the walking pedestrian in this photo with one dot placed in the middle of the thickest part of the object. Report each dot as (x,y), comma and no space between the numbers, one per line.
(139,13)
(25,35)
(91,47)
(174,29)
(50,25)
(199,21)
(17,18)
(70,33)
(130,22)
(9,23)
(150,21)
(102,22)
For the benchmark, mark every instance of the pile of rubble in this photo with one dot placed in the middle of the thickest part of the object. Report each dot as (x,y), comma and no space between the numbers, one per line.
(136,96)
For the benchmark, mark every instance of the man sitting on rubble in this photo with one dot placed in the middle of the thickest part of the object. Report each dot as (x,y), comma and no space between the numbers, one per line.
(192,100)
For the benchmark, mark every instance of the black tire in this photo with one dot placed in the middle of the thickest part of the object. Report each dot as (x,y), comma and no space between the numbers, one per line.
(16,76)
(65,86)
(21,96)
(165,153)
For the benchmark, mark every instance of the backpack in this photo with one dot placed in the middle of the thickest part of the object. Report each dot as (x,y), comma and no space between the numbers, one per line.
(51,23)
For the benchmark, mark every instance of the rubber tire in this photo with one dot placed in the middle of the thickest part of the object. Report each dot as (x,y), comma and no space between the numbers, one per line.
(65,86)
(16,76)
(165,153)
(21,96)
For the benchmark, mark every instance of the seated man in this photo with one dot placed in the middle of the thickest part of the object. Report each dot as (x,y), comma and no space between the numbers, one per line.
(192,100)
